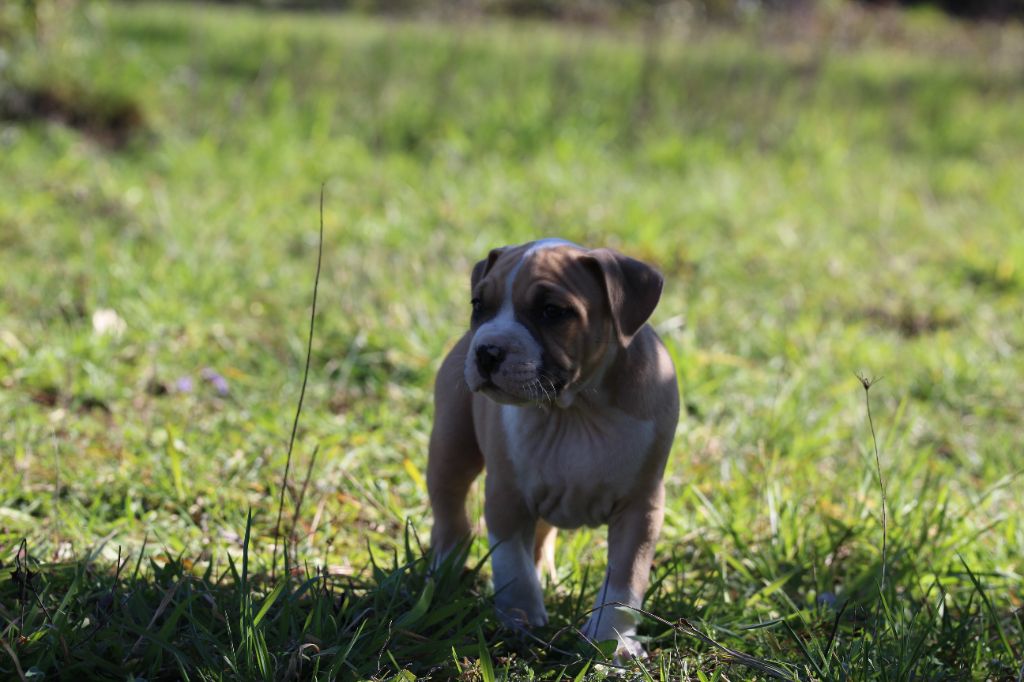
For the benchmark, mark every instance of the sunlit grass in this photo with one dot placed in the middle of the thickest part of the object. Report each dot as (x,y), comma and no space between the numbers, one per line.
(817,213)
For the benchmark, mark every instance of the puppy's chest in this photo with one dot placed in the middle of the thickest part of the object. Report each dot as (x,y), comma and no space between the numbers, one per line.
(573,468)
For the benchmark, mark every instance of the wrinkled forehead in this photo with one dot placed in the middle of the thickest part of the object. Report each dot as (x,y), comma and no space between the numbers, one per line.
(551,263)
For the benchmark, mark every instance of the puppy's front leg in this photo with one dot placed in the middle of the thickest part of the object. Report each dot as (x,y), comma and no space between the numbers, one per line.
(632,535)
(518,596)
(455,459)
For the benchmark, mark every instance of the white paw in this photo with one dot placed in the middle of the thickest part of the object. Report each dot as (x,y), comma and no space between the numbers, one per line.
(522,610)
(616,623)
(628,648)
(518,597)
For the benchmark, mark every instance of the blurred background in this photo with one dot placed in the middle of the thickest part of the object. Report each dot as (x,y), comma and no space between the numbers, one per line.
(829,187)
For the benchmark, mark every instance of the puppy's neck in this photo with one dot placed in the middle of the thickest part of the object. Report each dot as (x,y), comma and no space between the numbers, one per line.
(591,391)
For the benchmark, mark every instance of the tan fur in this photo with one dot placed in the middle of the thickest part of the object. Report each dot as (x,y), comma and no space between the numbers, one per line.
(573,428)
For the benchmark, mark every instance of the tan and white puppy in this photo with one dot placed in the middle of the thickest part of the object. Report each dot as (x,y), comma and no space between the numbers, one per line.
(569,400)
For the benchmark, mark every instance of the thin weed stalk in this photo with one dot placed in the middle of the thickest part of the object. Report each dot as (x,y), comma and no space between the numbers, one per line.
(302,497)
(302,394)
(867,384)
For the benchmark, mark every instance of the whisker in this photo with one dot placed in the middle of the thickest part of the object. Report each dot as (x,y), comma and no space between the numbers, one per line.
(548,397)
(551,383)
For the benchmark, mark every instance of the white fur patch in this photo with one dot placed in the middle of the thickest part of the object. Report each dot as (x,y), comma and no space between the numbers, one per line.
(517,592)
(611,621)
(572,466)
(547,244)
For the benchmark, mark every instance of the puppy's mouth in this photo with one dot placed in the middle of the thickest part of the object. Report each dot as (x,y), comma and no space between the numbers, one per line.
(540,390)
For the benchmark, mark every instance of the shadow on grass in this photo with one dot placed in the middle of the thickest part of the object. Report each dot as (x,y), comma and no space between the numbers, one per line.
(178,619)
(110,120)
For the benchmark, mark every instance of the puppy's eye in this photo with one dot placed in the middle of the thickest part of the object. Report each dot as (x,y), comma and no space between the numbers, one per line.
(478,306)
(555,312)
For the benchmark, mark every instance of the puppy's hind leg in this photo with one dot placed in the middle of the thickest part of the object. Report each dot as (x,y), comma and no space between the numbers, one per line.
(454,460)
(544,549)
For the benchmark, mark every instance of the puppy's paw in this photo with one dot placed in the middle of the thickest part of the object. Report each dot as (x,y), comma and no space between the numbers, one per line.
(616,624)
(626,649)
(629,647)
(521,611)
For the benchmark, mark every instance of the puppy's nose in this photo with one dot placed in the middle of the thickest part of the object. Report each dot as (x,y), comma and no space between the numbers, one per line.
(488,358)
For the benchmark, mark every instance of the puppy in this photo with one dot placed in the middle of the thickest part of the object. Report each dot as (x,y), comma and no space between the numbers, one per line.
(567,397)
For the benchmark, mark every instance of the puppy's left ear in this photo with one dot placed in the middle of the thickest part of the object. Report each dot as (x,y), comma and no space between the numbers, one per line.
(481,269)
(632,288)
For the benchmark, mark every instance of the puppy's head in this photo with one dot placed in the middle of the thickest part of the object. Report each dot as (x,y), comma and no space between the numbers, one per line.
(548,316)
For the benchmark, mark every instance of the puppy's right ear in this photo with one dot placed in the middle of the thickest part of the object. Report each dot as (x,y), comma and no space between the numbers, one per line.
(632,287)
(481,269)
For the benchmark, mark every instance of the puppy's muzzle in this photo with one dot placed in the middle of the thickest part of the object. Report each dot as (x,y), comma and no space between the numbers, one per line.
(488,359)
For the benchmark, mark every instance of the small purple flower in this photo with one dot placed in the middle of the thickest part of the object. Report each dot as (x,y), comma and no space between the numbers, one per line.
(183,384)
(220,384)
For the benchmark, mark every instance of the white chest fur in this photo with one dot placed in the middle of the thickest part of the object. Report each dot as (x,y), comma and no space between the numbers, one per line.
(572,466)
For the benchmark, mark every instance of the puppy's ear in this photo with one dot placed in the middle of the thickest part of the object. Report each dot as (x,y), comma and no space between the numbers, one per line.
(481,269)
(632,288)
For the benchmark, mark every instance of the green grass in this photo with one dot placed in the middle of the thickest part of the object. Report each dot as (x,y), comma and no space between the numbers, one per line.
(817,212)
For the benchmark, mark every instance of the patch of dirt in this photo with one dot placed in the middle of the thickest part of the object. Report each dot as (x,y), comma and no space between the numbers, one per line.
(909,322)
(998,278)
(47,396)
(111,121)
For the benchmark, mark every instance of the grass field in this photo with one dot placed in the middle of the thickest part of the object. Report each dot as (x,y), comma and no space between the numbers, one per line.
(849,202)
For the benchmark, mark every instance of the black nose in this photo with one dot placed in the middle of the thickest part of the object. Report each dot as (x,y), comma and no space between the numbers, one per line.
(488,358)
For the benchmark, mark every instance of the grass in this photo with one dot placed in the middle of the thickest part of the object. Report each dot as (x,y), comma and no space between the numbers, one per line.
(843,203)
